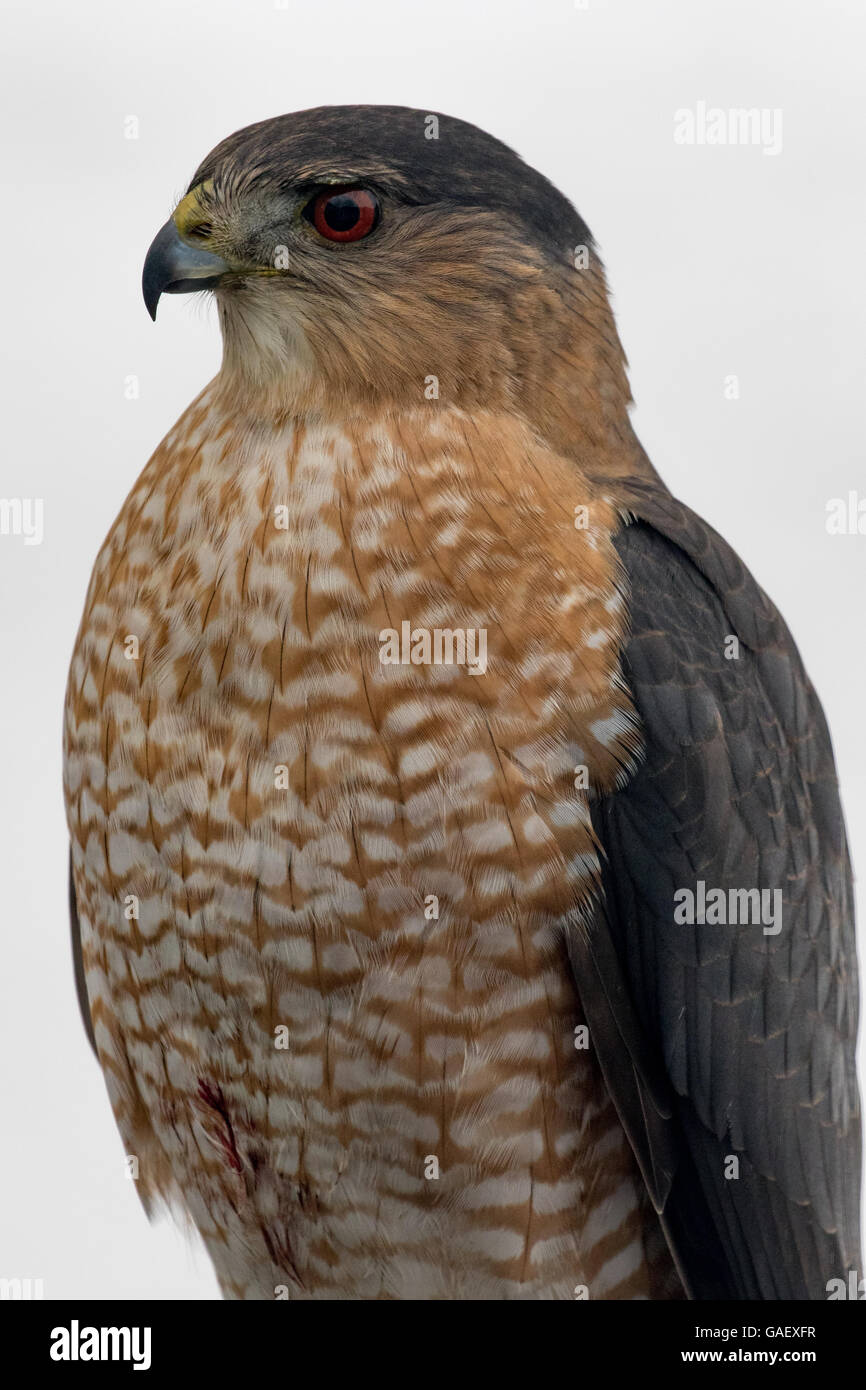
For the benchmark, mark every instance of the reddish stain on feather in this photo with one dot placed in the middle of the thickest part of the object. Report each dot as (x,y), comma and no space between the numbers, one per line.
(213,1097)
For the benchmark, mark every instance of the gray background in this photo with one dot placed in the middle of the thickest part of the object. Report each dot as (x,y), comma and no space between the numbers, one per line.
(722,261)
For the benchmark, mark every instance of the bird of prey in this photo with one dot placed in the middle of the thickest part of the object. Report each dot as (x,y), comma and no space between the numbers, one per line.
(460,887)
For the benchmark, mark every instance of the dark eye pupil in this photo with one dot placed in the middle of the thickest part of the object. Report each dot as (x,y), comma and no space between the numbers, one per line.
(341,212)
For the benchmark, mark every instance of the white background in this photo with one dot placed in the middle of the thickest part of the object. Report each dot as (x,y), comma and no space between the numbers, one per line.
(722,260)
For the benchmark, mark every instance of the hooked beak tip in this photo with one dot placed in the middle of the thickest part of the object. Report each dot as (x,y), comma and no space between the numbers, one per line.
(172,266)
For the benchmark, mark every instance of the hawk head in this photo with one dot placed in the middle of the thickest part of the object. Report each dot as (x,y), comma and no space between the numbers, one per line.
(360,253)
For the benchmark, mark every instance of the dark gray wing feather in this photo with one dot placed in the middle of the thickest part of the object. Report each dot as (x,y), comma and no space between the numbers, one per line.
(748,1038)
(78,963)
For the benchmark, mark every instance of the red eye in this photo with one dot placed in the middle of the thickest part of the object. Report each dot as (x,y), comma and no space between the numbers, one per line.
(346,215)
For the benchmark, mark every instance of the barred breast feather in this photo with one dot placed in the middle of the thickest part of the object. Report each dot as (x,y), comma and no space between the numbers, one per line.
(325,896)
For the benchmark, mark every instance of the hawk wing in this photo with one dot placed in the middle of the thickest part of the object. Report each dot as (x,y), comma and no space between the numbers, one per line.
(78,963)
(724,1040)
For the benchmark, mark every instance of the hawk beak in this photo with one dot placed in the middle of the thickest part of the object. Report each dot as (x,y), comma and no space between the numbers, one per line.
(174,266)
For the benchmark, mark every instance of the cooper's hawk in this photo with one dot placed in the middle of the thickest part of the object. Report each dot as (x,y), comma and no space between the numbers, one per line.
(463,891)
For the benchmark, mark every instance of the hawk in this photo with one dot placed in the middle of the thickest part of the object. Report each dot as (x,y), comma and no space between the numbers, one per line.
(460,888)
